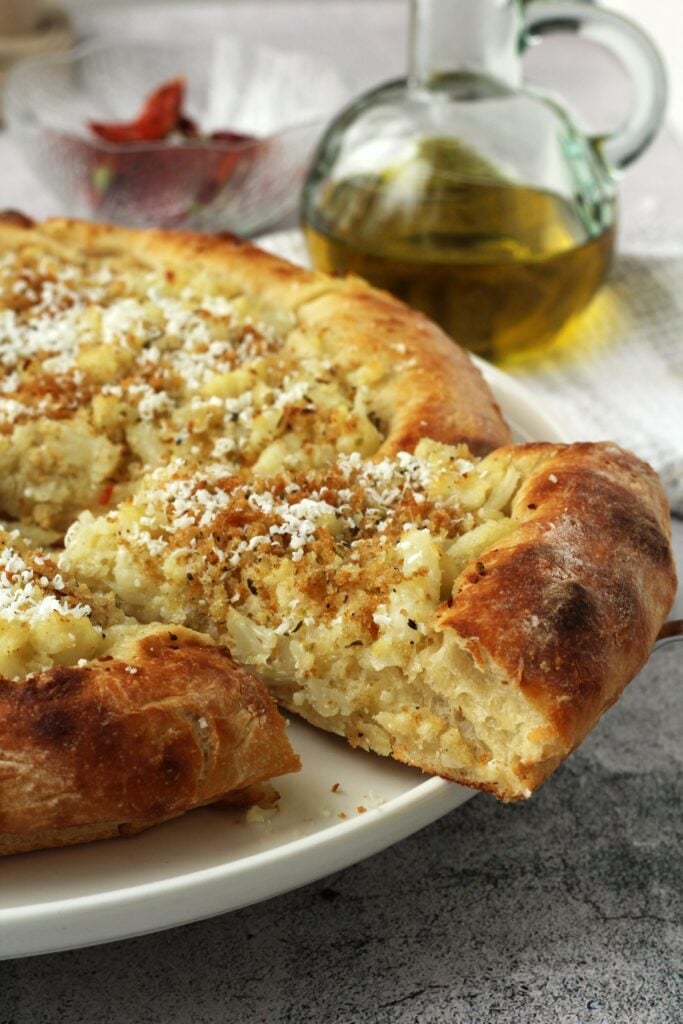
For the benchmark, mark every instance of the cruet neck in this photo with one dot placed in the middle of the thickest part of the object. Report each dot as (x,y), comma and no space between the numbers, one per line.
(477,36)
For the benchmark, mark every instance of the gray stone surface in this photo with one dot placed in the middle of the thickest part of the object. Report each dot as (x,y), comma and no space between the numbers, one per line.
(566,909)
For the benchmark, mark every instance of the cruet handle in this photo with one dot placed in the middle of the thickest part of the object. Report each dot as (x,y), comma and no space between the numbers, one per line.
(633,48)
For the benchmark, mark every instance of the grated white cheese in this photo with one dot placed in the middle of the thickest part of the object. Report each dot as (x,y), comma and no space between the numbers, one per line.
(30,598)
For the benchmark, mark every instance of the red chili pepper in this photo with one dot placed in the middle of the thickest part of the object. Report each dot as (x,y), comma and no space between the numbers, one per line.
(160,115)
(105,495)
(178,179)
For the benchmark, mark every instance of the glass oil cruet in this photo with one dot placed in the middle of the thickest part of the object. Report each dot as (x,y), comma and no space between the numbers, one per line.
(474,197)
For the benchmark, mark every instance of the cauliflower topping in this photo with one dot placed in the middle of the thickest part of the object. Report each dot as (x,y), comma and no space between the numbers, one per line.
(45,617)
(110,367)
(26,593)
(360,550)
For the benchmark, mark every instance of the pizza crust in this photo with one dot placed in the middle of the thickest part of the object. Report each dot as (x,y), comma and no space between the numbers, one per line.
(566,608)
(162,723)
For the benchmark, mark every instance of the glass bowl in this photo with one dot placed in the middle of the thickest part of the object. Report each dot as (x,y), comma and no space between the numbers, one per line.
(281,98)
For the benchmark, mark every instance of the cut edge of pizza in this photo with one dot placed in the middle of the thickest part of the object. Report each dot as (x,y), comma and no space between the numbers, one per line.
(471,617)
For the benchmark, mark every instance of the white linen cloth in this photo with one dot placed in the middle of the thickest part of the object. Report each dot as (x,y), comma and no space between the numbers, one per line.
(623,379)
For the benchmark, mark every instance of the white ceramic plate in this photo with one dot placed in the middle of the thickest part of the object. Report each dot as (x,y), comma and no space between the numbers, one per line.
(212,861)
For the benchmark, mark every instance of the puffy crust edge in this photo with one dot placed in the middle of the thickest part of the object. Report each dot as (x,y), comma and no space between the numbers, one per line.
(167,723)
(567,607)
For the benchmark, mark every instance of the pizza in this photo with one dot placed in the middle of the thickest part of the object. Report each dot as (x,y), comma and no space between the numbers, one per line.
(293,481)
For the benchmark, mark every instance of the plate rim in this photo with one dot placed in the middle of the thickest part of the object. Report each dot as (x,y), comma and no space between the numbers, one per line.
(293,848)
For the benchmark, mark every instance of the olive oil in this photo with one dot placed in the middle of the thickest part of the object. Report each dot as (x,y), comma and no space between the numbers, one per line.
(500,266)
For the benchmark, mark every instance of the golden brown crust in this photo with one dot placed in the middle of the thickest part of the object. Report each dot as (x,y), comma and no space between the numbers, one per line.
(15,218)
(567,607)
(442,394)
(119,745)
